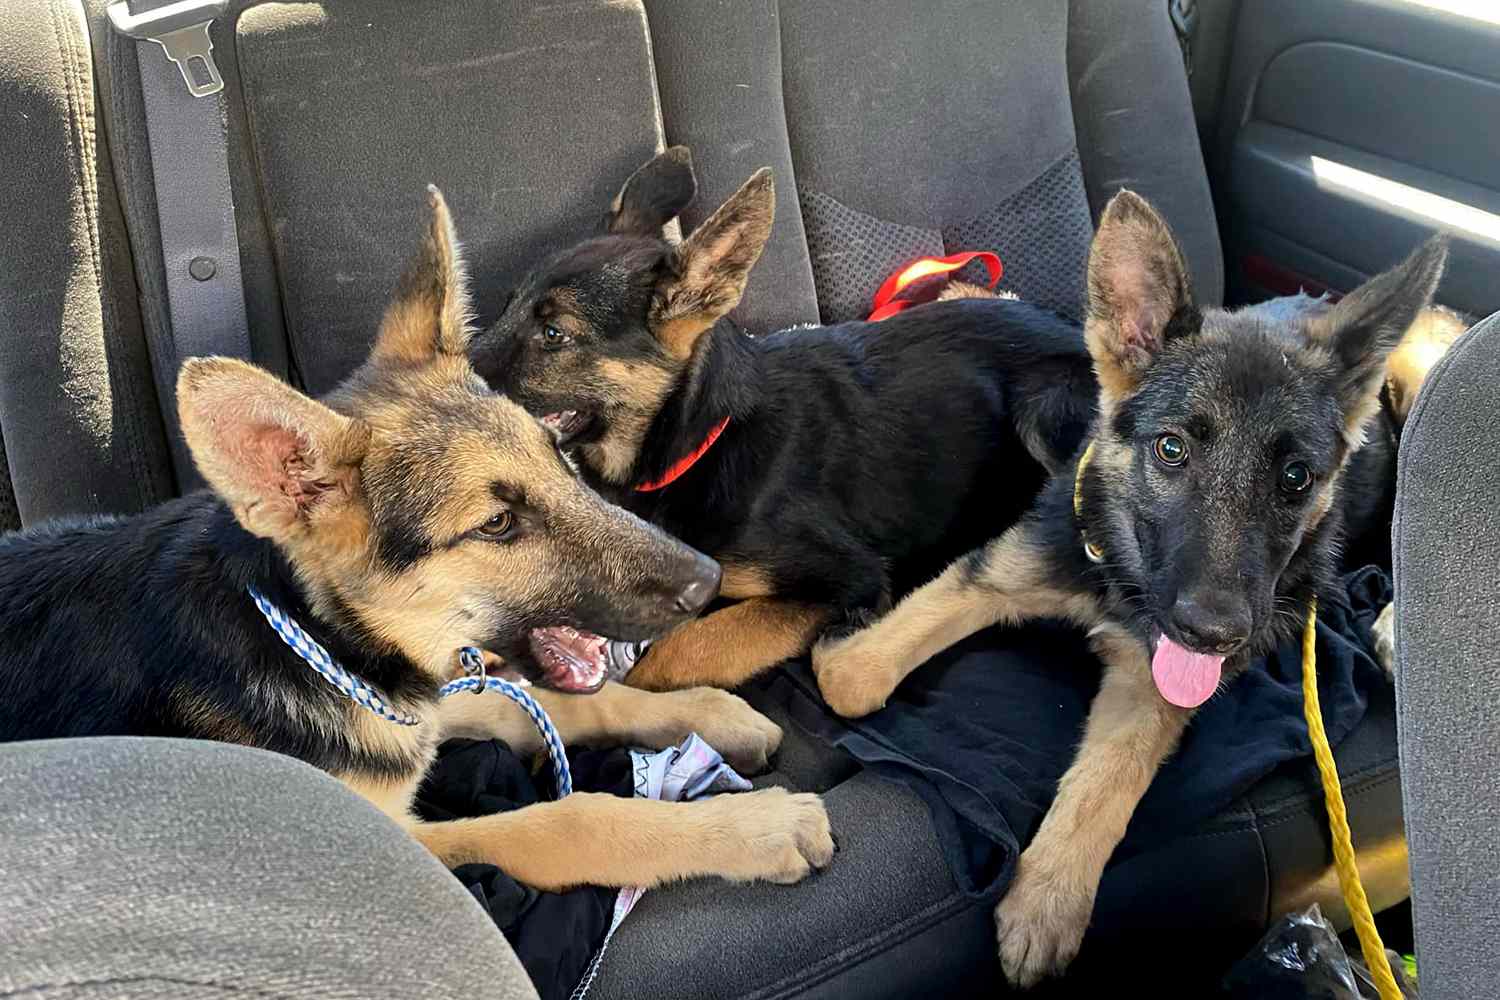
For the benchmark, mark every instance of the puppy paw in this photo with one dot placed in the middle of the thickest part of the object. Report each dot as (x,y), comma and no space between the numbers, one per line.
(745,738)
(776,835)
(853,680)
(1385,641)
(1040,923)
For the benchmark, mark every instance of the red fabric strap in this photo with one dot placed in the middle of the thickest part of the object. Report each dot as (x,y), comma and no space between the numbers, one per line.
(885,302)
(686,462)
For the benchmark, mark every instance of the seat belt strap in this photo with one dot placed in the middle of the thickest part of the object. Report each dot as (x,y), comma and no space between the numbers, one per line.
(187,124)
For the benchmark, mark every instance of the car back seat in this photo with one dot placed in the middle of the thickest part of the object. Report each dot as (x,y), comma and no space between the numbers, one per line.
(894,129)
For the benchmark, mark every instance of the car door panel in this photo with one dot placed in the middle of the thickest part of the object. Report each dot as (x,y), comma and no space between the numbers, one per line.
(1353,128)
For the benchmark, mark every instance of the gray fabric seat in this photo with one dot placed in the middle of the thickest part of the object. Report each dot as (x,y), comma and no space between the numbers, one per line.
(894,130)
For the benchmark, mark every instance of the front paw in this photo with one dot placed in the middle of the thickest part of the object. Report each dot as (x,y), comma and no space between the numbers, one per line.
(775,835)
(1040,923)
(1385,641)
(854,680)
(744,737)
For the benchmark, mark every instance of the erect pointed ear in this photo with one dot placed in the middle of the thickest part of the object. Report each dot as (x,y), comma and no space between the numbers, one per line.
(1137,285)
(281,460)
(1367,324)
(654,195)
(704,277)
(430,314)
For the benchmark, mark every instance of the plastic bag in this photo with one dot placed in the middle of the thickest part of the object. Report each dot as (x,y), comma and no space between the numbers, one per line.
(1302,958)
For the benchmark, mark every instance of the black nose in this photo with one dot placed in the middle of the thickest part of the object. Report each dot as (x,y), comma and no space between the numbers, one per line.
(703,587)
(1218,623)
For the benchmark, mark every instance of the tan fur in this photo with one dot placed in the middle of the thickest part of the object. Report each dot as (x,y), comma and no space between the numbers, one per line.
(617,715)
(432,450)
(968,290)
(392,796)
(1129,732)
(606,840)
(730,646)
(857,673)
(431,312)
(600,839)
(742,580)
(1423,346)
(712,266)
(638,391)
(280,460)
(1135,276)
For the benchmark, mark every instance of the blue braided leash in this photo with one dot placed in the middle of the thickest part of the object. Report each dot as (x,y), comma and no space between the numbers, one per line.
(310,650)
(473,664)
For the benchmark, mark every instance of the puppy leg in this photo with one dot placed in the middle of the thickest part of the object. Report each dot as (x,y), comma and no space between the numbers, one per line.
(728,647)
(1385,640)
(616,715)
(1130,731)
(596,839)
(1006,580)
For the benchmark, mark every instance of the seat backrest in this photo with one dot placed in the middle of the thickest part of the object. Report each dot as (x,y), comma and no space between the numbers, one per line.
(78,414)
(895,130)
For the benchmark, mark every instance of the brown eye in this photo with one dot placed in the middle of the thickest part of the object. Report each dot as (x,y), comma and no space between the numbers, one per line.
(1170,450)
(553,338)
(498,526)
(1296,477)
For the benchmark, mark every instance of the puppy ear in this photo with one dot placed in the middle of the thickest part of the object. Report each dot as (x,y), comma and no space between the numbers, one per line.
(1137,284)
(430,314)
(654,195)
(1367,324)
(705,277)
(281,460)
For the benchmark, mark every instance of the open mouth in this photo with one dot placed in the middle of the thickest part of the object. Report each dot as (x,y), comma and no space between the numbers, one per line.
(567,424)
(570,660)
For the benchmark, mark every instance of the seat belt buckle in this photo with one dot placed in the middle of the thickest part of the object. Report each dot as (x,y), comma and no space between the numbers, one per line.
(181,29)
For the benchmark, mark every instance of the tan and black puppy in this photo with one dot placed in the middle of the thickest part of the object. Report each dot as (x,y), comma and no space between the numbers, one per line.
(1187,536)
(410,512)
(827,468)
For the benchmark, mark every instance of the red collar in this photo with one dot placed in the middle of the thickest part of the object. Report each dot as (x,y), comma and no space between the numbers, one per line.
(686,462)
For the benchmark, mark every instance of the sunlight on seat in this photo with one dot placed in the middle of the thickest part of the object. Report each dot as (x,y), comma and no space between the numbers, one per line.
(1408,202)
(1480,10)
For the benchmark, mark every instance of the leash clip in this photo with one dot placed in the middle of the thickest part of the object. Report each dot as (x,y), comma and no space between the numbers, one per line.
(473,663)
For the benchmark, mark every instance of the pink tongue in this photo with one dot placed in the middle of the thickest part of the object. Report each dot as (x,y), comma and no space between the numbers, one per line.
(1184,678)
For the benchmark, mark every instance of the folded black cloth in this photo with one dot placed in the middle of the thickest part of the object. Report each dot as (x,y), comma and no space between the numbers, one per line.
(554,934)
(984,731)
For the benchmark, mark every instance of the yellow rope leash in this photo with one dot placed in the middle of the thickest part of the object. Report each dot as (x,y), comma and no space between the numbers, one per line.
(1338,819)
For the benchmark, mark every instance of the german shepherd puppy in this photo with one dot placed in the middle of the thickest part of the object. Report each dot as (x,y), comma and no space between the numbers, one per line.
(1187,537)
(856,459)
(407,514)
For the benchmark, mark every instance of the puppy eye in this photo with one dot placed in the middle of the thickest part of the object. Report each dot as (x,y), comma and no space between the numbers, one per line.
(553,338)
(1295,477)
(1170,450)
(498,526)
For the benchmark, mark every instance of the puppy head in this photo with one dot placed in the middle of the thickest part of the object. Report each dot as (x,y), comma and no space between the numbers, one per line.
(1223,436)
(596,336)
(426,512)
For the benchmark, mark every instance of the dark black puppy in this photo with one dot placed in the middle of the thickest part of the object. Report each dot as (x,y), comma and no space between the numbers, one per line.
(823,467)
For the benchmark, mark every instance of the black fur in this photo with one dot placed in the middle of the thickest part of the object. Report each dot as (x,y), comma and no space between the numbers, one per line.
(859,458)
(110,622)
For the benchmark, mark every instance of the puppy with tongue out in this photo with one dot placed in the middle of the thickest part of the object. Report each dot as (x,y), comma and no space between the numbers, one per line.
(1188,535)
